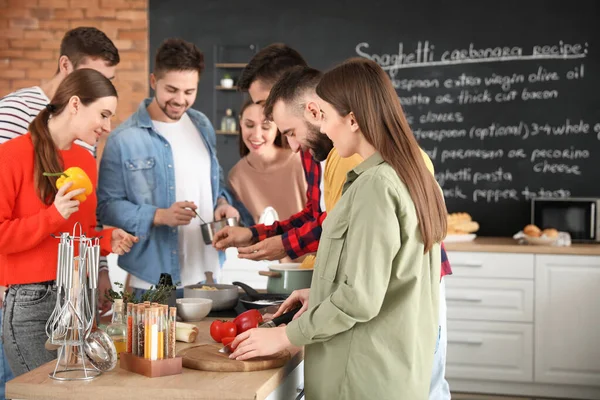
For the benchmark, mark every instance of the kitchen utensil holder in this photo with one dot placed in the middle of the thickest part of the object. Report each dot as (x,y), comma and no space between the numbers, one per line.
(72,318)
(151,368)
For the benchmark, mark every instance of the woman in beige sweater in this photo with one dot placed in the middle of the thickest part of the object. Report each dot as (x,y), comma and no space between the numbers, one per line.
(269,173)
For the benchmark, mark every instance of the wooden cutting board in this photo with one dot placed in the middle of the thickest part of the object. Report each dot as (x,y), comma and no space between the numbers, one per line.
(206,357)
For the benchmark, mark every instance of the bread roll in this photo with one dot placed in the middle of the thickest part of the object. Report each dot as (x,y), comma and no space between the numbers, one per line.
(465,227)
(550,232)
(532,230)
(456,218)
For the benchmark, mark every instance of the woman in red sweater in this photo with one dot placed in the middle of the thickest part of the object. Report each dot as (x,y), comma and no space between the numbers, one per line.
(32,209)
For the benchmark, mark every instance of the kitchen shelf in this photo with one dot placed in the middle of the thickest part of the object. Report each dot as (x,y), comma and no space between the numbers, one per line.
(219,132)
(230,65)
(229,60)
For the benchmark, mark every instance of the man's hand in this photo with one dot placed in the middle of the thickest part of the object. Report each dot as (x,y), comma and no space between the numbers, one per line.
(180,213)
(104,284)
(122,241)
(224,211)
(269,249)
(232,236)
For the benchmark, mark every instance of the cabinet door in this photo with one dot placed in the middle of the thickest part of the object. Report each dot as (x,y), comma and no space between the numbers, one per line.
(292,386)
(491,265)
(567,320)
(490,351)
(508,300)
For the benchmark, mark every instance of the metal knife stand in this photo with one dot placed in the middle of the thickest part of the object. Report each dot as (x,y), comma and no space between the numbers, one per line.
(72,318)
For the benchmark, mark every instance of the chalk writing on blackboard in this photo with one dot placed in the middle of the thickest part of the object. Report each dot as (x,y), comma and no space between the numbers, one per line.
(426,55)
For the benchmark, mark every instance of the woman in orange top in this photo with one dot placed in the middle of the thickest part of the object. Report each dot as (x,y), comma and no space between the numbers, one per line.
(32,209)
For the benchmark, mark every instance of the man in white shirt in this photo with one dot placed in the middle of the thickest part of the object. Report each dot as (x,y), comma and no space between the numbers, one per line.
(159,169)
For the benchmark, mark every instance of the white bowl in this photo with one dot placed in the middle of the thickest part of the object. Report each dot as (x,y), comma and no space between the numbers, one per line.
(540,241)
(227,83)
(193,309)
(468,237)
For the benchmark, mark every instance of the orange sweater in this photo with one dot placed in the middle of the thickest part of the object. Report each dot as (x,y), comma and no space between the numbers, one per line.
(27,251)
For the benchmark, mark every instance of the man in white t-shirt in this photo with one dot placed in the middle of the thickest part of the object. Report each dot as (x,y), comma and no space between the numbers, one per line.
(82,47)
(159,169)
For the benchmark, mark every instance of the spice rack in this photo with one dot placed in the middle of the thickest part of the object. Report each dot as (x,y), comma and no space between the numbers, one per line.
(150,368)
(151,331)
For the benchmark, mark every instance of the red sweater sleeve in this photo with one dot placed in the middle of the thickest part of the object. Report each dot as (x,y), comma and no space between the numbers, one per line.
(25,232)
(105,247)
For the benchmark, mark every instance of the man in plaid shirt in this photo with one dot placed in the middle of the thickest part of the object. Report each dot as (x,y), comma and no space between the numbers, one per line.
(299,234)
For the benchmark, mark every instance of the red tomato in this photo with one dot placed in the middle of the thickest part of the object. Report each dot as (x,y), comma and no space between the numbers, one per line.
(228,330)
(227,342)
(248,320)
(221,329)
(215,330)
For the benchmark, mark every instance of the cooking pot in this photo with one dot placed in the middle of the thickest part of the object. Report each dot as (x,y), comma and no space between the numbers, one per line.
(210,228)
(224,298)
(285,278)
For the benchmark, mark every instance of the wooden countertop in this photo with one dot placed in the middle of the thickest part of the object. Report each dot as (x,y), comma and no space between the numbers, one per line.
(191,384)
(510,245)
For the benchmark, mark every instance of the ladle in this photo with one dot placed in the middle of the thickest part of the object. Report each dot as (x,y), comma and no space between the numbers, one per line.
(98,347)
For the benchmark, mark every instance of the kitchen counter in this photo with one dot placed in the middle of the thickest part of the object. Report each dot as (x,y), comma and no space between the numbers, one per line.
(191,384)
(510,245)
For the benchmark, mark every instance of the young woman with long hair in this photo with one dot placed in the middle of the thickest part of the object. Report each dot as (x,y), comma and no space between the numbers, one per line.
(32,209)
(370,324)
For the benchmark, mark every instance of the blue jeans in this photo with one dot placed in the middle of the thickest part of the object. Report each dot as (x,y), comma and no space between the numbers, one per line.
(439,388)
(5,372)
(26,311)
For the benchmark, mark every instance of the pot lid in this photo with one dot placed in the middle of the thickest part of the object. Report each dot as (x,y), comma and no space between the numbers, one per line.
(288,267)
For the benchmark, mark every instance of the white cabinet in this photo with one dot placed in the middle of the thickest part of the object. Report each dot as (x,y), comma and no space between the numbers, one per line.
(492,265)
(524,324)
(567,324)
(490,350)
(292,387)
(489,299)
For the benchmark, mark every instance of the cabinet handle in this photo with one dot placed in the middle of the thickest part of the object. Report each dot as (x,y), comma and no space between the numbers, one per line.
(466,299)
(474,342)
(470,265)
(593,222)
(300,392)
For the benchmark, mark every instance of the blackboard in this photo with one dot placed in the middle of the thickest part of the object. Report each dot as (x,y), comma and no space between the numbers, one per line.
(503,96)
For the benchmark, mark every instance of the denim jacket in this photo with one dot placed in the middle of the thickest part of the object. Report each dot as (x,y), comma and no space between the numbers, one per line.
(136,178)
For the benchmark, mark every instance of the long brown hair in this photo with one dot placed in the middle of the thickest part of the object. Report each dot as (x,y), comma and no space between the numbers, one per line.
(88,85)
(360,86)
(244,150)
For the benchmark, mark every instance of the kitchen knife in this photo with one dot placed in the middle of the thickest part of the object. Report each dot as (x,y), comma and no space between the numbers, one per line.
(282,319)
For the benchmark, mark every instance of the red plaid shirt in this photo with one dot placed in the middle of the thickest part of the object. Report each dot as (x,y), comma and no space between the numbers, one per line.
(302,231)
(446,268)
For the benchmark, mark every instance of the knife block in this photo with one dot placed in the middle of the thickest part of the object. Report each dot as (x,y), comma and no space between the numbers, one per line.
(151,368)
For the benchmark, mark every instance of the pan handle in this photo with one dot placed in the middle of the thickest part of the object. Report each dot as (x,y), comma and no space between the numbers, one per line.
(270,274)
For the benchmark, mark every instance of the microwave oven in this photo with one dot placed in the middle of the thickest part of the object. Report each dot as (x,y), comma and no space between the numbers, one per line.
(580,217)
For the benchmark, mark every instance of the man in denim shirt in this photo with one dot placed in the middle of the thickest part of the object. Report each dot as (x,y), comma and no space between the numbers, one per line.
(159,168)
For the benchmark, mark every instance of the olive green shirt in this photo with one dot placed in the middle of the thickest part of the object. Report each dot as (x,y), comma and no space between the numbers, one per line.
(372,322)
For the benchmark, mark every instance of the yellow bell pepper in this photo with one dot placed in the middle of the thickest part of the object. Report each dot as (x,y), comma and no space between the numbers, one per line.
(78,177)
